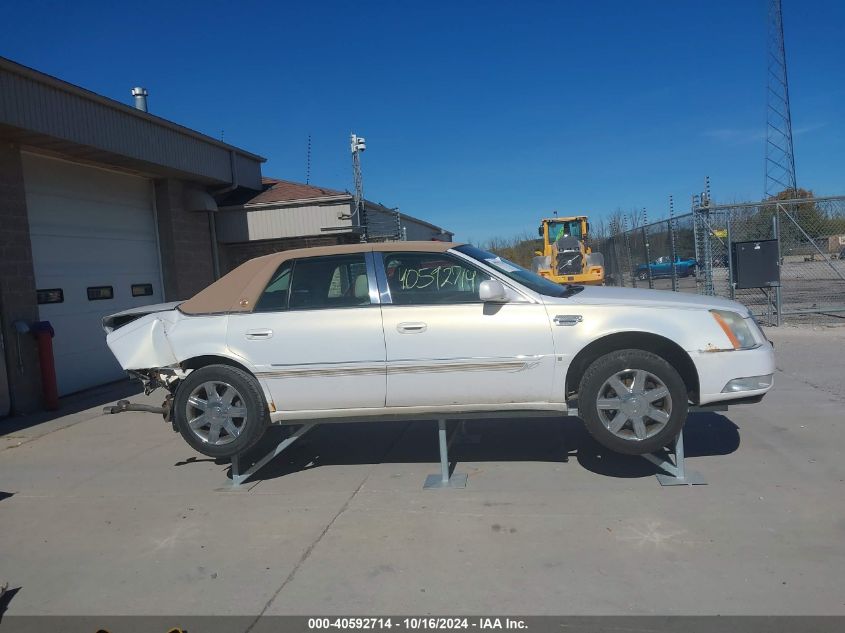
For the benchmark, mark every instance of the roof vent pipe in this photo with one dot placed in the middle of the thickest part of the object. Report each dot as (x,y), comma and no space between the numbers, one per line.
(140,95)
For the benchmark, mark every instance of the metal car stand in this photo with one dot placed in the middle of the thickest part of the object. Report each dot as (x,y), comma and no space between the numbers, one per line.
(676,472)
(443,479)
(239,477)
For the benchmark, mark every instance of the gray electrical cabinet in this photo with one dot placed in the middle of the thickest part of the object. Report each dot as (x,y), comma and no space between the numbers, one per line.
(756,264)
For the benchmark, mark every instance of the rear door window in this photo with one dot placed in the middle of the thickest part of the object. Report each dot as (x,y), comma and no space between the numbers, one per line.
(317,283)
(275,295)
(336,281)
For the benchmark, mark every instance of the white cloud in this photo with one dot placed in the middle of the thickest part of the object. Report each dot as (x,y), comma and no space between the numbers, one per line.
(743,136)
(735,136)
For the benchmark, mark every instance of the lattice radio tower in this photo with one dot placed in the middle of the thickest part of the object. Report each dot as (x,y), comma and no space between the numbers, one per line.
(780,157)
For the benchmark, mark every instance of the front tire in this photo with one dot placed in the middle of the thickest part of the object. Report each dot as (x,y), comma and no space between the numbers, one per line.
(220,411)
(632,401)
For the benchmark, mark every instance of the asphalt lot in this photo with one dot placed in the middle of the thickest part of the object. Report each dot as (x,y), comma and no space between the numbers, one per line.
(117,515)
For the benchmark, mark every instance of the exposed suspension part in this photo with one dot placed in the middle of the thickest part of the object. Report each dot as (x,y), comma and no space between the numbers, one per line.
(165,378)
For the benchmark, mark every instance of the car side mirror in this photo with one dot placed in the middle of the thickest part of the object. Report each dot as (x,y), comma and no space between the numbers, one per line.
(492,291)
(540,231)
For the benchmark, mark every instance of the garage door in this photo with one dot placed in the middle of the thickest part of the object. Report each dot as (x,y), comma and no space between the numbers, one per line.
(95,252)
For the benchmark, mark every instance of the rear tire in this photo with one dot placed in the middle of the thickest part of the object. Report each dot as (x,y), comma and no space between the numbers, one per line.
(632,401)
(220,410)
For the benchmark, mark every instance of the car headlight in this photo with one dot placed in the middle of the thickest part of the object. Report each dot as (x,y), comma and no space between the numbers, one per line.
(735,328)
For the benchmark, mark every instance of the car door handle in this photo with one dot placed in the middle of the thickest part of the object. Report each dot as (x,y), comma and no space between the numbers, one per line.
(257,335)
(412,327)
(568,319)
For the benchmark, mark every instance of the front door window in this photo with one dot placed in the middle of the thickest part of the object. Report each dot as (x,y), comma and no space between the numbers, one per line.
(431,279)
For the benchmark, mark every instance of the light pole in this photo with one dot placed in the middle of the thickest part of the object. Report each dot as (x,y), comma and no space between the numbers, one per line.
(358,144)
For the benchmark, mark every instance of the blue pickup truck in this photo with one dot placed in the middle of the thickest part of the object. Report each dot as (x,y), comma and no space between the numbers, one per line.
(662,267)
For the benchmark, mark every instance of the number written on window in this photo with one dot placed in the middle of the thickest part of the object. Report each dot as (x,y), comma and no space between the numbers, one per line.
(438,278)
(431,278)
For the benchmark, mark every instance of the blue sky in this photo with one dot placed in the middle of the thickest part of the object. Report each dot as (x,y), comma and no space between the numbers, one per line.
(479,116)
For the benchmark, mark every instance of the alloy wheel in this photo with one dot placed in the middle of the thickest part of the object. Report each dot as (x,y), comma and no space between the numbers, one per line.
(216,412)
(634,404)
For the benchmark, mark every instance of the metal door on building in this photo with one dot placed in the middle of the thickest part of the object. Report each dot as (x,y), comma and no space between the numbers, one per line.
(95,252)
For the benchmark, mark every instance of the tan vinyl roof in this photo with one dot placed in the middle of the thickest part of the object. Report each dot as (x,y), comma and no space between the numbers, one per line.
(238,291)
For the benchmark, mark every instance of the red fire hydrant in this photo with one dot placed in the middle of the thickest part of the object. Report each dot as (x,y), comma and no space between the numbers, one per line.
(44,333)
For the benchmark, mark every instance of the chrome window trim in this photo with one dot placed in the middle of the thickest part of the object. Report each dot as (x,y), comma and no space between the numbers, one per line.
(372,277)
(381,278)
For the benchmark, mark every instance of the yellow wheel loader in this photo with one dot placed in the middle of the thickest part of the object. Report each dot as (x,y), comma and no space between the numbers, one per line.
(566,258)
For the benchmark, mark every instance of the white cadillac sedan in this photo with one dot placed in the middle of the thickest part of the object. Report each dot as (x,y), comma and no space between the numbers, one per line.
(434,330)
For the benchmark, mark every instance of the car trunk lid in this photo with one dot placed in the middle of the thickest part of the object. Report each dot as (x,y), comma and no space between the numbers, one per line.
(119,319)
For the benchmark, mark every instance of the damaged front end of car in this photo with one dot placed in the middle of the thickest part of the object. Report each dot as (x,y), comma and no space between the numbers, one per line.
(137,338)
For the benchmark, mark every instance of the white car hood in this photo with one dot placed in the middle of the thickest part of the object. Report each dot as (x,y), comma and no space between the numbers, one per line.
(637,297)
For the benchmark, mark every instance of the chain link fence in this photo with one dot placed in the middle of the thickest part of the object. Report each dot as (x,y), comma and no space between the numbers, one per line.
(692,253)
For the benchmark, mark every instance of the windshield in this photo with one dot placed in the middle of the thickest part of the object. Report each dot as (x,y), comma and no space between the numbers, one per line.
(519,274)
(561,228)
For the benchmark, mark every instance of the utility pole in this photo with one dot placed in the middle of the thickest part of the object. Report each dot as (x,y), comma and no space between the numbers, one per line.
(672,246)
(780,157)
(358,144)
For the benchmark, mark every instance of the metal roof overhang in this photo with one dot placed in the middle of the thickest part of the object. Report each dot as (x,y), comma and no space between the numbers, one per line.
(57,117)
(60,148)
